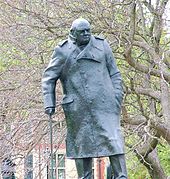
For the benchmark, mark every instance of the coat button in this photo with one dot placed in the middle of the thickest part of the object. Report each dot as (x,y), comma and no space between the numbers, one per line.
(74,56)
(82,72)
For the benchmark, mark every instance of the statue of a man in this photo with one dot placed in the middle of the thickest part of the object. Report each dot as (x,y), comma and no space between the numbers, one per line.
(93,94)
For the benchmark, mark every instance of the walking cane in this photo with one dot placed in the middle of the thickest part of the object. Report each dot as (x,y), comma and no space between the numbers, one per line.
(51,145)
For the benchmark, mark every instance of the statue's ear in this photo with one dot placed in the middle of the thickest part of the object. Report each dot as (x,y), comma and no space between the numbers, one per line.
(72,35)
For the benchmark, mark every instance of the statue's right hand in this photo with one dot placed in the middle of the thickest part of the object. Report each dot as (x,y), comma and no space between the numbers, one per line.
(50,110)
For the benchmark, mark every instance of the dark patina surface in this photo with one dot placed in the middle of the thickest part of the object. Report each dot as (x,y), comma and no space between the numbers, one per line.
(92,97)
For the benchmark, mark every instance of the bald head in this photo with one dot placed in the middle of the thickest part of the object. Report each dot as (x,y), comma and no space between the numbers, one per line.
(79,24)
(80,31)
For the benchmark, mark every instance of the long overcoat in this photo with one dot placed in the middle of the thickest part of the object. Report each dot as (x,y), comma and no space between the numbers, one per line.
(92,97)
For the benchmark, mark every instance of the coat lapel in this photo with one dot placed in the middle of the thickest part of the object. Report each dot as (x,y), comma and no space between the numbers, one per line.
(91,51)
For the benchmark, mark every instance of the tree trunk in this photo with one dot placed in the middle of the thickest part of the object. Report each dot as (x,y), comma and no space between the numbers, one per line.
(152,163)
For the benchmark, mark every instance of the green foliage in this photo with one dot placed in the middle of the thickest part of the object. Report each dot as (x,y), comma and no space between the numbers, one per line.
(164,156)
(8,52)
(135,169)
(37,28)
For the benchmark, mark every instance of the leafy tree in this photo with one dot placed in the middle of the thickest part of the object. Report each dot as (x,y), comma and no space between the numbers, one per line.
(136,30)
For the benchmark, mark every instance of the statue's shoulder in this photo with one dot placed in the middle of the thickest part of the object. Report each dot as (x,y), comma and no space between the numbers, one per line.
(62,43)
(99,37)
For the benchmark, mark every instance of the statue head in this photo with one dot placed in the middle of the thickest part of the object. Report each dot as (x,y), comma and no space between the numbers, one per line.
(80,31)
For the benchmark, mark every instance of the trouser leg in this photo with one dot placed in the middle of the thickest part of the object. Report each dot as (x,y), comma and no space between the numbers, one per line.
(119,166)
(84,168)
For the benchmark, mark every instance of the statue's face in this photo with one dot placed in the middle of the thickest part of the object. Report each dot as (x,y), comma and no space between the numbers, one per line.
(82,33)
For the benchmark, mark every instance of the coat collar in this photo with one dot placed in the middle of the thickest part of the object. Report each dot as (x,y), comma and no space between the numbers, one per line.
(91,50)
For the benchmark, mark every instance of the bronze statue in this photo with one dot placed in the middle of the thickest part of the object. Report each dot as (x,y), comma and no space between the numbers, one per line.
(93,94)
